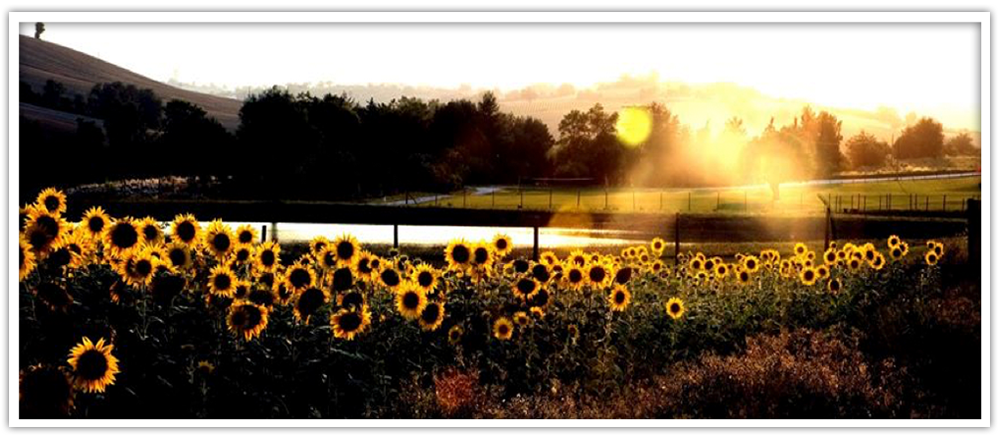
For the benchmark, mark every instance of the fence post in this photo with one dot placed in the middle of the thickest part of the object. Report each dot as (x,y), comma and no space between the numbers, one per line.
(864,202)
(521,190)
(274,231)
(578,197)
(395,236)
(263,233)
(974,219)
(534,249)
(677,237)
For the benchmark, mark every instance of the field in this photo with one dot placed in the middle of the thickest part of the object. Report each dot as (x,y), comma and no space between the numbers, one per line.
(919,195)
(126,318)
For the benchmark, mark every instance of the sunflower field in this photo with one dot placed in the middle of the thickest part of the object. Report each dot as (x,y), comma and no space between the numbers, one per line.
(134,318)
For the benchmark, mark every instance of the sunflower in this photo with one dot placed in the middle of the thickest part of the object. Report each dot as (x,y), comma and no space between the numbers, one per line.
(327,258)
(822,271)
(893,241)
(219,239)
(346,249)
(619,298)
(939,249)
(482,255)
(800,249)
(623,274)
(185,229)
(549,258)
(541,272)
(896,253)
(242,255)
(525,287)
(426,277)
(520,266)
(26,259)
(503,328)
(905,247)
(266,256)
(94,367)
(242,289)
(540,298)
(675,308)
(410,300)
(808,276)
(743,276)
(179,255)
(830,257)
(299,277)
(139,268)
(931,258)
(362,266)
(246,235)
(221,281)
(658,246)
(575,277)
(722,270)
(455,334)
(94,221)
(878,262)
(501,245)
(834,285)
(854,263)
(45,391)
(522,319)
(349,322)
(43,230)
(263,297)
(246,319)
(308,302)
(458,254)
(318,245)
(598,276)
(389,277)
(696,264)
(578,257)
(150,230)
(432,316)
(52,200)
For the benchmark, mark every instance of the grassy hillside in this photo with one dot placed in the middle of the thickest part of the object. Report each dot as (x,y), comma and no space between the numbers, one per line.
(41,61)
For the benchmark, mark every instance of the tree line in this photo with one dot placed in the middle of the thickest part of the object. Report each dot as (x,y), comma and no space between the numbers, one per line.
(332,147)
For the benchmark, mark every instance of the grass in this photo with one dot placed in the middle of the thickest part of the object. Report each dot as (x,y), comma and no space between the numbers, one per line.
(933,194)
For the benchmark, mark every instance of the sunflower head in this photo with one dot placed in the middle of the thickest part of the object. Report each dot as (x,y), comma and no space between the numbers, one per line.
(426,277)
(808,276)
(834,285)
(503,328)
(346,249)
(619,298)
(246,235)
(299,277)
(389,277)
(185,229)
(246,319)
(266,256)
(598,275)
(525,287)
(743,276)
(308,302)
(150,230)
(822,271)
(219,239)
(800,249)
(931,258)
(893,241)
(455,334)
(363,268)
(410,300)
(458,254)
(623,274)
(432,316)
(94,367)
(44,230)
(575,277)
(52,200)
(501,245)
(482,255)
(541,273)
(349,322)
(94,221)
(222,281)
(26,258)
(549,258)
(45,391)
(675,308)
(53,295)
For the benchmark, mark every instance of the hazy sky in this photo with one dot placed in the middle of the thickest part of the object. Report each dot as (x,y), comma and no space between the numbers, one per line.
(931,69)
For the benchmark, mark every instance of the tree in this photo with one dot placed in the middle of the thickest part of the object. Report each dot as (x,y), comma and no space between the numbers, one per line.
(961,145)
(826,141)
(129,113)
(273,123)
(39,28)
(189,133)
(865,150)
(52,94)
(923,139)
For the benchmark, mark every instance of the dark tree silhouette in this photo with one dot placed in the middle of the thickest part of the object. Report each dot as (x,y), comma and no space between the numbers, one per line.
(39,28)
(923,139)
(865,150)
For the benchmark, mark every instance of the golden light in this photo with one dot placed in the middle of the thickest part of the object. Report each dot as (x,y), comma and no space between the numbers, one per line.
(634,125)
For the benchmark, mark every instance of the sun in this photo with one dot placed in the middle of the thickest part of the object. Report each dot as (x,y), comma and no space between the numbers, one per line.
(634,125)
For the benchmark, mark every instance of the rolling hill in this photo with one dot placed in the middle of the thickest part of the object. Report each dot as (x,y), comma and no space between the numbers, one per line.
(41,61)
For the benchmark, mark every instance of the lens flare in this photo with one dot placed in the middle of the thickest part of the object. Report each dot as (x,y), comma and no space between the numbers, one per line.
(634,125)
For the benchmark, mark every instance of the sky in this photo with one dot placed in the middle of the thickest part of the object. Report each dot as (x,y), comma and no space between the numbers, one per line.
(930,69)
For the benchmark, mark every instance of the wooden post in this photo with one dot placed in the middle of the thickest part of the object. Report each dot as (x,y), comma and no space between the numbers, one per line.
(274,232)
(852,201)
(395,236)
(689,201)
(974,217)
(578,197)
(534,249)
(677,238)
(550,198)
(521,190)
(864,206)
(263,233)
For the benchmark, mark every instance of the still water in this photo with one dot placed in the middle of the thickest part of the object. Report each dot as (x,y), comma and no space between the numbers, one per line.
(441,235)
